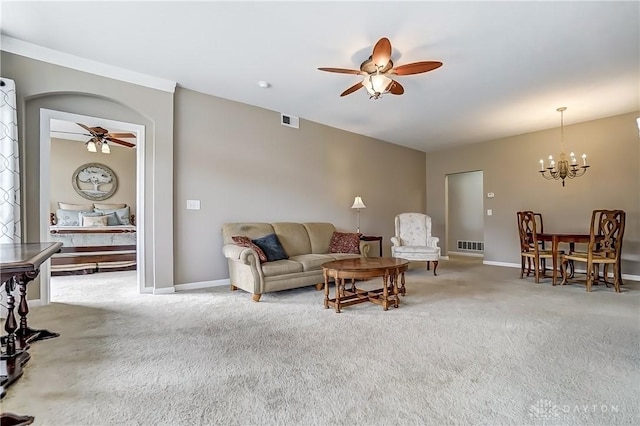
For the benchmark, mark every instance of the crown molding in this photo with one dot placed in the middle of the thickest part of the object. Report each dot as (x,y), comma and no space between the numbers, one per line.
(40,53)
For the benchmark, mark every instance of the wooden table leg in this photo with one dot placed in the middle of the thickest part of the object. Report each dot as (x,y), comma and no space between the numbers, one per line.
(10,324)
(26,333)
(10,419)
(554,254)
(326,290)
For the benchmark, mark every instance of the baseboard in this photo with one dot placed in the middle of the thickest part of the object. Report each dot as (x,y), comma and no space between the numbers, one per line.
(580,271)
(202,284)
(165,290)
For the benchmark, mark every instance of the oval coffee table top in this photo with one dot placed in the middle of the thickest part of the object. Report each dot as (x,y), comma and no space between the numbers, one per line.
(364,263)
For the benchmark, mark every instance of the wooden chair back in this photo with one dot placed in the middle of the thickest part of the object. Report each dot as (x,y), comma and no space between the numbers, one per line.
(606,233)
(528,229)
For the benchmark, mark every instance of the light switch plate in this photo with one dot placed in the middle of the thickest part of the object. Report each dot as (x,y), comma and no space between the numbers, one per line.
(489,212)
(193,204)
(490,195)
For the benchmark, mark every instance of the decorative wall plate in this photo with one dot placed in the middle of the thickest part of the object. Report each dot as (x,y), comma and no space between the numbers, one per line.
(94,181)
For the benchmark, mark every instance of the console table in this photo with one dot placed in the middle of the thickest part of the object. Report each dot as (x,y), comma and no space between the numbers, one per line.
(19,265)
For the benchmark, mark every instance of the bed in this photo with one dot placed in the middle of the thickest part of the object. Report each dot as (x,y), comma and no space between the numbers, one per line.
(91,249)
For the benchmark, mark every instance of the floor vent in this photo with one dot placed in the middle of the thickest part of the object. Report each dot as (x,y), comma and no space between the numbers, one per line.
(470,245)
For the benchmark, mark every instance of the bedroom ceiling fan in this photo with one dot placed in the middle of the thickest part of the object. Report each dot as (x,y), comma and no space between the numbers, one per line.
(378,70)
(100,138)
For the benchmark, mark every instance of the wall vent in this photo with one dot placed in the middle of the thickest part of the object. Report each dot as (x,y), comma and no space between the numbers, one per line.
(289,121)
(470,245)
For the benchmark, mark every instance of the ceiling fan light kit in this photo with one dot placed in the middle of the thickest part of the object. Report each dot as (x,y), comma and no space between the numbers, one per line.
(101,137)
(378,70)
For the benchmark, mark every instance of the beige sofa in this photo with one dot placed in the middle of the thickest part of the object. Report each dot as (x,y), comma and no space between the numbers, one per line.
(306,244)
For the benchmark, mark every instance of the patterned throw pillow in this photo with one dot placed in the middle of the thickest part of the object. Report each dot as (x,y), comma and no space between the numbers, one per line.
(90,221)
(123,215)
(246,242)
(343,242)
(68,217)
(270,245)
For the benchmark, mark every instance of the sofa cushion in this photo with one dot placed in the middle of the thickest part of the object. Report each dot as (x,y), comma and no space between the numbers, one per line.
(243,241)
(281,267)
(343,242)
(293,237)
(270,245)
(320,236)
(312,262)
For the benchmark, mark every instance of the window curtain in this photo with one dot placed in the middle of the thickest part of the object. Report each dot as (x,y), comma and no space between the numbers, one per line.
(10,216)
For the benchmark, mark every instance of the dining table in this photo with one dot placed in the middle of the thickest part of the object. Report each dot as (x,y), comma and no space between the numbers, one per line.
(556,239)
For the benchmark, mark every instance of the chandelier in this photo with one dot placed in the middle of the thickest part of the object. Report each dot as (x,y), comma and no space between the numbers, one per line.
(564,168)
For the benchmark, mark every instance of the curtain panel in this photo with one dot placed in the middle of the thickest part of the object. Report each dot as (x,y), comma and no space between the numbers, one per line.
(10,215)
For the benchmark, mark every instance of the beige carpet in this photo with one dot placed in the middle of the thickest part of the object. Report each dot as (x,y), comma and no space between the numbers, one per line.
(475,345)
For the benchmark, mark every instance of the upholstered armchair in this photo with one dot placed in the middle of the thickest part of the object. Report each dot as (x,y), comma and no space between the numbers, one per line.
(413,240)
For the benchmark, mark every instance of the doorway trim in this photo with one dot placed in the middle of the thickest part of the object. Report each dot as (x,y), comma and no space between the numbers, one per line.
(45,190)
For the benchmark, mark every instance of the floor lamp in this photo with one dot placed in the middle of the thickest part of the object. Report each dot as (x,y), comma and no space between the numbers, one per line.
(358,204)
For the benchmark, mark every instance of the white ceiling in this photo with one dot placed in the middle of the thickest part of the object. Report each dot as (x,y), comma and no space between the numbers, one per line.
(507,65)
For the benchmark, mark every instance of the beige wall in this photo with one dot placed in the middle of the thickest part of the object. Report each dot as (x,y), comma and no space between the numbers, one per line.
(43,85)
(511,167)
(245,166)
(67,156)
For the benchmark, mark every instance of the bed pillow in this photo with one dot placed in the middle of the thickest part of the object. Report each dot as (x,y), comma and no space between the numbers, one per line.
(109,206)
(91,221)
(246,242)
(68,217)
(79,207)
(343,242)
(270,245)
(123,215)
(112,219)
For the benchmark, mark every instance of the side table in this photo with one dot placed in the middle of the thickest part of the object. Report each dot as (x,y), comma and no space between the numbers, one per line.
(373,238)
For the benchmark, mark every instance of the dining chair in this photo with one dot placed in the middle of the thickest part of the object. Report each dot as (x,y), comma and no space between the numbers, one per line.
(530,224)
(605,248)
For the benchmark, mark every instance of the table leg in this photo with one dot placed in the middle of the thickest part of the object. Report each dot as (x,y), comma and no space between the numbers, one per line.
(385,291)
(554,254)
(326,290)
(10,324)
(396,295)
(10,419)
(26,333)
(339,284)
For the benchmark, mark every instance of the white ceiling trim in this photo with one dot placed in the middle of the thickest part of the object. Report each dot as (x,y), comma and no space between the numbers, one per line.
(33,51)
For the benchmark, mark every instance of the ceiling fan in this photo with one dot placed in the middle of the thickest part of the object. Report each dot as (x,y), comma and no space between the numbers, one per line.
(101,137)
(378,70)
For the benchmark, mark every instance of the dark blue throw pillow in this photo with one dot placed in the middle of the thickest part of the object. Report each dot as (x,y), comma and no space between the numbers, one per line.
(270,245)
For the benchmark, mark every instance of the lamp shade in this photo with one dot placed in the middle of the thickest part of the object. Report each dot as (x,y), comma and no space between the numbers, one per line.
(358,204)
(91,146)
(105,148)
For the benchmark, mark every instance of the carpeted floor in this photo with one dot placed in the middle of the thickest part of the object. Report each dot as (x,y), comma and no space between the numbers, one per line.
(475,345)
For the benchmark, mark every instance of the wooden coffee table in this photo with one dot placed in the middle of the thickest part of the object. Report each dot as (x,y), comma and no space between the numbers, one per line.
(389,268)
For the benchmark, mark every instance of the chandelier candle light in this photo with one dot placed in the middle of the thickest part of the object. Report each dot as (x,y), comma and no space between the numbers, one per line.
(563,169)
(358,204)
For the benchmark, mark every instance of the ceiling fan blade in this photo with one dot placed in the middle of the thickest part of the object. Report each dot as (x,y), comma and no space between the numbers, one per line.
(416,67)
(381,52)
(396,88)
(70,133)
(121,135)
(87,128)
(99,130)
(118,141)
(352,89)
(341,70)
